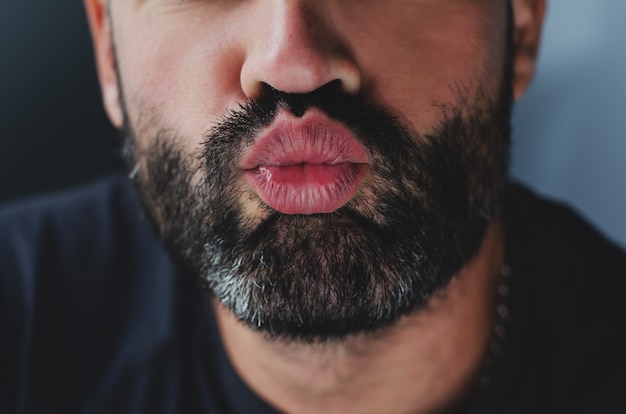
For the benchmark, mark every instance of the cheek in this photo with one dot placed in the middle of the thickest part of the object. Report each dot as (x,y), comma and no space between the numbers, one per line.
(181,78)
(417,65)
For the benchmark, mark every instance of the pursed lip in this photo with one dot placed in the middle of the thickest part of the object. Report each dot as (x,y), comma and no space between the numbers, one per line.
(313,139)
(305,165)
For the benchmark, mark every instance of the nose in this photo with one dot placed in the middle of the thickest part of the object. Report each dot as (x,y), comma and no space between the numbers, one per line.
(293,48)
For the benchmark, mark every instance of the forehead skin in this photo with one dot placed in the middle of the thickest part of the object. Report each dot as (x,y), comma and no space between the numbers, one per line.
(192,60)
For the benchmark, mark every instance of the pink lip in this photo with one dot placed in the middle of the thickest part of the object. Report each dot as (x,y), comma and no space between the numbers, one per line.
(305,165)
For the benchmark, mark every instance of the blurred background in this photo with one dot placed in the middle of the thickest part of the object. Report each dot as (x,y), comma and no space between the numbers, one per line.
(569,130)
(53,130)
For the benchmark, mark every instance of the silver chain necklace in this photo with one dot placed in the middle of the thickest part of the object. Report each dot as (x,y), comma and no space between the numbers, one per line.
(500,326)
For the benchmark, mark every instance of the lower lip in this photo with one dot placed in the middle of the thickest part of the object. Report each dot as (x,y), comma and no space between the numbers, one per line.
(307,188)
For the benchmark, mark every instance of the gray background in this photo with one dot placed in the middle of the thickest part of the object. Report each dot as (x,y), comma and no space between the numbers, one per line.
(569,131)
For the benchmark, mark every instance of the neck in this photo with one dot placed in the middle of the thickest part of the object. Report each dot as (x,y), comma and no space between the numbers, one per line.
(419,365)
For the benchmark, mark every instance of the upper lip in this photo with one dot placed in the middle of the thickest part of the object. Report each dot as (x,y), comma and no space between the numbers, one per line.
(312,139)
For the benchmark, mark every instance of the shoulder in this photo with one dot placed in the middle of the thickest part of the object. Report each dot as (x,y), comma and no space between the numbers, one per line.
(549,238)
(87,207)
(568,305)
(44,235)
(86,292)
(72,248)
(85,231)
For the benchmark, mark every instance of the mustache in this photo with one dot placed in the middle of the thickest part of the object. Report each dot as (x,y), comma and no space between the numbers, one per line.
(367,121)
(330,98)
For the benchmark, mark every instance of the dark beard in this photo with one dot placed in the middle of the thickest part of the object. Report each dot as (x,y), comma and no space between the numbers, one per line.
(419,217)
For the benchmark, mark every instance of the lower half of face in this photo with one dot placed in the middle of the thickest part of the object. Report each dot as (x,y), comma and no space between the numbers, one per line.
(418,216)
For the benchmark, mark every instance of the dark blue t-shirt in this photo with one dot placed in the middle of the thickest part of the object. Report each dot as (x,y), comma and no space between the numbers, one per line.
(95,317)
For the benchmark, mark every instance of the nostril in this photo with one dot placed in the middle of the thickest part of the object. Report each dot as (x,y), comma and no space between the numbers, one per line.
(298,103)
(265,91)
(335,86)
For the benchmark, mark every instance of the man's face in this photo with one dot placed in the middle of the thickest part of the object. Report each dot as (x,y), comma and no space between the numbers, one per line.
(324,167)
(193,60)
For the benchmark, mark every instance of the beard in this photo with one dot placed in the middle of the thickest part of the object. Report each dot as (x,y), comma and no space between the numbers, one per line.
(419,216)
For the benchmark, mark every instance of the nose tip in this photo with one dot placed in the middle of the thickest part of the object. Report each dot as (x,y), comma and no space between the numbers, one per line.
(295,50)
(297,74)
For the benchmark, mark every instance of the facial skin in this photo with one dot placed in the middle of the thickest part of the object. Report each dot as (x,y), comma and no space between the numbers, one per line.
(420,217)
(443,155)
(171,71)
